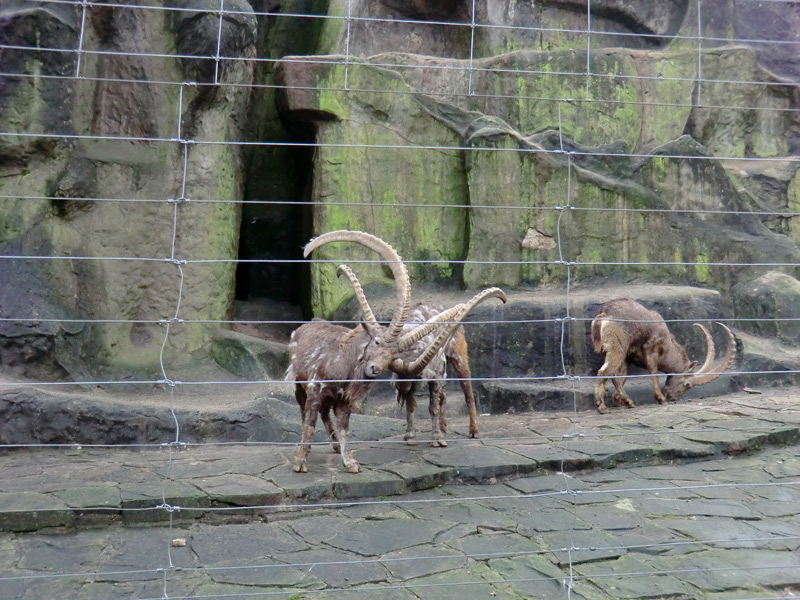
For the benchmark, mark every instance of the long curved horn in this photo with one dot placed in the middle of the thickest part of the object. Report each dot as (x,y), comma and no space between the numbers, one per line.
(711,352)
(410,338)
(706,374)
(362,299)
(390,256)
(422,361)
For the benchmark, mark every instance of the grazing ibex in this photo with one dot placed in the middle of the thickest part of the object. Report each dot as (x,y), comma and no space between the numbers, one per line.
(628,333)
(334,367)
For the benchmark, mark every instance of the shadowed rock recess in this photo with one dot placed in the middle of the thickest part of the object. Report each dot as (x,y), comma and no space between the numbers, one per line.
(485,156)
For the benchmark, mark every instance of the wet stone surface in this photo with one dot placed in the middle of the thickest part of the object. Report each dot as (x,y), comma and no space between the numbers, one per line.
(681,502)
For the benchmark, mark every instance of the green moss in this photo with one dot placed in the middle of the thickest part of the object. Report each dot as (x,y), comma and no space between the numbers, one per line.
(333,29)
(701,268)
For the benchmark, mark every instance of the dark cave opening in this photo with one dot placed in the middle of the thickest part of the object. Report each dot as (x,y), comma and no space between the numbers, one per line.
(275,225)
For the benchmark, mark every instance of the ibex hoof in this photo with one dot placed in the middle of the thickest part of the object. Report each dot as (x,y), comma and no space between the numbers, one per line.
(300,467)
(410,438)
(601,408)
(354,467)
(439,444)
(336,448)
(473,433)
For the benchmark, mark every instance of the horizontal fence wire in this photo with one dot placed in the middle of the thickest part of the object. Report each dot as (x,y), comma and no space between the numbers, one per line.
(162,576)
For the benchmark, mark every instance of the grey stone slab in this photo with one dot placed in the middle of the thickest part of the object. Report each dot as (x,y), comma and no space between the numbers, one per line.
(553,458)
(421,475)
(610,517)
(472,583)
(784,467)
(458,510)
(312,486)
(683,472)
(653,539)
(382,592)
(480,462)
(777,491)
(769,508)
(91,496)
(727,441)
(786,533)
(486,544)
(716,533)
(316,530)
(335,568)
(531,523)
(373,538)
(549,484)
(367,484)
(609,453)
(238,490)
(695,508)
(532,577)
(145,502)
(263,574)
(244,542)
(579,546)
(727,570)
(29,511)
(208,461)
(628,577)
(421,561)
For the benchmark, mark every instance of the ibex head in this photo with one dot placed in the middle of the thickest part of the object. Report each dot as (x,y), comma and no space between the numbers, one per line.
(677,385)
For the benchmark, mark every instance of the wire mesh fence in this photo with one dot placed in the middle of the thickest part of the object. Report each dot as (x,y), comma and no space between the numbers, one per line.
(533,508)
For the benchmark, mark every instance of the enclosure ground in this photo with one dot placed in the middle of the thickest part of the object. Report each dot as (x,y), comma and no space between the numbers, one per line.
(696,499)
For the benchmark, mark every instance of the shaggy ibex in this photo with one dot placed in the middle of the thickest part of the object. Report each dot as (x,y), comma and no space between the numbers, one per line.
(628,333)
(334,367)
(453,353)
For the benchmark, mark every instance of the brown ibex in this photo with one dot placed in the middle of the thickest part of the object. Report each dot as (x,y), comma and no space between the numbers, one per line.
(454,353)
(334,367)
(628,333)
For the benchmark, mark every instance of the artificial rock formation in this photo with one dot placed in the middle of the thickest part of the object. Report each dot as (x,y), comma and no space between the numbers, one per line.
(487,133)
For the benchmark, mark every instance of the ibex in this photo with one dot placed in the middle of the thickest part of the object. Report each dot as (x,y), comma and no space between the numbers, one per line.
(335,367)
(454,353)
(628,333)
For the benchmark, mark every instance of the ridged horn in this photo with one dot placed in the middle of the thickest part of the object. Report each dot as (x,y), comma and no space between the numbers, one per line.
(706,374)
(362,299)
(390,256)
(461,310)
(412,337)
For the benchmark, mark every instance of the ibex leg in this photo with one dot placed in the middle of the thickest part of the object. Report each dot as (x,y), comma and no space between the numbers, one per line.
(405,395)
(342,412)
(652,368)
(458,359)
(325,415)
(309,409)
(620,397)
(411,404)
(437,408)
(614,361)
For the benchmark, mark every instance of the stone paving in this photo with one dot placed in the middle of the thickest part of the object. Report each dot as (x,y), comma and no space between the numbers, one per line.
(698,499)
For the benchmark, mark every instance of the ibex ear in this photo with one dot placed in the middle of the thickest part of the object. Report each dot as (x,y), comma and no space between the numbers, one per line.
(692,365)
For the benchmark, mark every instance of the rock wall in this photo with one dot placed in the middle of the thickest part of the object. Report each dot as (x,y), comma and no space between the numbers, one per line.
(485,154)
